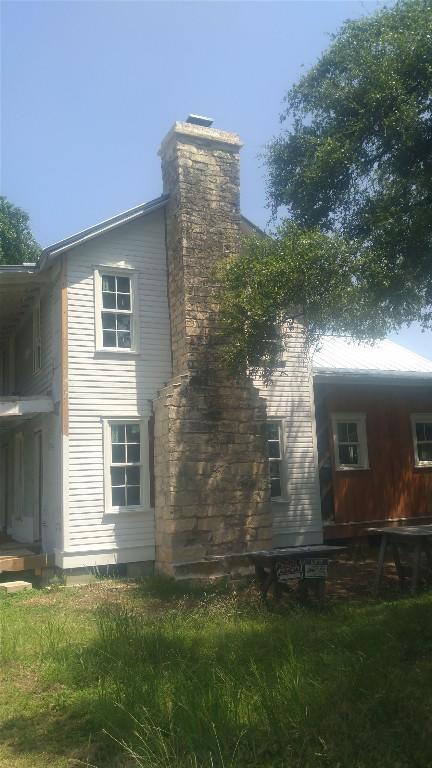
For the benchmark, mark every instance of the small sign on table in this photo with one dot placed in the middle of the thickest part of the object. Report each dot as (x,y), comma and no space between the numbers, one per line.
(315,568)
(289,569)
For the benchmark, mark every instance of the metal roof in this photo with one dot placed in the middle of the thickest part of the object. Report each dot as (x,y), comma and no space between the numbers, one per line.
(344,356)
(98,229)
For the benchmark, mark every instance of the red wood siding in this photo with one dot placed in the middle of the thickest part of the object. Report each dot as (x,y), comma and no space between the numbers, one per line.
(393,488)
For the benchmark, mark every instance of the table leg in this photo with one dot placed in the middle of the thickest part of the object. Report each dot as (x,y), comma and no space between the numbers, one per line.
(381,558)
(321,590)
(398,564)
(264,579)
(416,567)
(428,553)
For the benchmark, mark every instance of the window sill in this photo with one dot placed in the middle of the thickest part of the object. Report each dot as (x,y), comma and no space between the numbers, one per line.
(278,500)
(115,353)
(426,465)
(352,469)
(129,510)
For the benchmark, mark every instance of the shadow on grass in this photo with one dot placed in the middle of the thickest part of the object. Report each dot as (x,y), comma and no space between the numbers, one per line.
(226,684)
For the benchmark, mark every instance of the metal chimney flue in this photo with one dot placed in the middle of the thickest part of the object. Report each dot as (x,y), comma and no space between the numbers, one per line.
(205,122)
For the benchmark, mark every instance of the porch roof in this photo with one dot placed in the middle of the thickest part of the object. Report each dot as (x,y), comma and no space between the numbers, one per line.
(13,406)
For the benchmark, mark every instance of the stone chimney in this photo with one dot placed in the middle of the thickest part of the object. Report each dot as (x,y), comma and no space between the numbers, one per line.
(211,473)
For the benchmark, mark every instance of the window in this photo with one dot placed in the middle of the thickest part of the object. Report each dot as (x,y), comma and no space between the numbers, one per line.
(126,466)
(116,310)
(275,457)
(350,443)
(37,345)
(422,435)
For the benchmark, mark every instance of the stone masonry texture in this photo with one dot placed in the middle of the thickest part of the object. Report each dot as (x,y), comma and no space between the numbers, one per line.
(212,493)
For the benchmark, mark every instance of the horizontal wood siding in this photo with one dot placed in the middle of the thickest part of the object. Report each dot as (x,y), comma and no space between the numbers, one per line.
(297,516)
(103,384)
(392,488)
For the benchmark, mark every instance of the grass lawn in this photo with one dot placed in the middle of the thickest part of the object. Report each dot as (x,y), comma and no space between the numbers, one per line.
(212,680)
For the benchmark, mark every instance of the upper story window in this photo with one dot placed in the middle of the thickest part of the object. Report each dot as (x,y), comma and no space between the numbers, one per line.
(350,441)
(116,310)
(273,429)
(37,340)
(422,436)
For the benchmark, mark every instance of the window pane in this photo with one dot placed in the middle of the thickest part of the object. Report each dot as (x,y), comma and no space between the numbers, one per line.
(348,454)
(108,283)
(424,430)
(133,453)
(108,321)
(123,301)
(108,300)
(123,322)
(118,497)
(275,488)
(425,451)
(272,431)
(124,339)
(117,433)
(274,449)
(274,469)
(133,433)
(118,454)
(123,284)
(109,339)
(132,476)
(117,476)
(133,495)
(352,432)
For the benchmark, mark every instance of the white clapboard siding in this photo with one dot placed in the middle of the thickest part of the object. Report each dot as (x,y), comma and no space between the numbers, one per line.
(297,516)
(46,381)
(105,385)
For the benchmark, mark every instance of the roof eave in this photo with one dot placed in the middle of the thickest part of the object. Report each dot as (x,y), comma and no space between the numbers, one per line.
(349,376)
(52,251)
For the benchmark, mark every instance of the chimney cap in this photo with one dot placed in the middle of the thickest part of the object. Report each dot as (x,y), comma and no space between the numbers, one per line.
(206,122)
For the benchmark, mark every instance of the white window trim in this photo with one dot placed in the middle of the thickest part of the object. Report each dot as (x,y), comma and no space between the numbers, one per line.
(37,337)
(360,420)
(419,417)
(125,272)
(144,464)
(279,424)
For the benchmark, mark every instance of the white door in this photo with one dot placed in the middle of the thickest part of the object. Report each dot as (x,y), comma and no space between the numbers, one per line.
(37,484)
(19,477)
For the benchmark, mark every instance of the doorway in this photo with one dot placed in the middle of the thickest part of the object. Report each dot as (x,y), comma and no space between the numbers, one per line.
(37,485)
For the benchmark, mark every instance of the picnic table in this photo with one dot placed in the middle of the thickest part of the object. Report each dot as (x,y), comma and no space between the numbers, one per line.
(279,567)
(416,537)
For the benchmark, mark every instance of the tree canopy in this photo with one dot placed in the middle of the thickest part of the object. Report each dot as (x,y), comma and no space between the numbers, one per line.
(353,172)
(17,244)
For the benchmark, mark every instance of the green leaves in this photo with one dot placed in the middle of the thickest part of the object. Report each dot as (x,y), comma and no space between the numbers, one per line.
(354,171)
(17,243)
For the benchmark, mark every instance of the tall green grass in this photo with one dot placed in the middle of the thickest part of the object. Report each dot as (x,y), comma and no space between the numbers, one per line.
(227,684)
(218,681)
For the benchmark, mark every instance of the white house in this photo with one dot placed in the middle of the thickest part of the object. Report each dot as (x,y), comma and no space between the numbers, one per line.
(120,439)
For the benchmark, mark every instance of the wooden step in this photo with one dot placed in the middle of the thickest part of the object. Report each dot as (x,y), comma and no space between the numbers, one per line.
(23,561)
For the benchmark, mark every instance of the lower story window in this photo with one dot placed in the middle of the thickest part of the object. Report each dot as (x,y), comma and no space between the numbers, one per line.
(422,435)
(125,464)
(273,429)
(350,442)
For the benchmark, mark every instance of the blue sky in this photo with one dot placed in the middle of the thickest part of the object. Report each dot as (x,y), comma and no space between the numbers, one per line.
(89,89)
